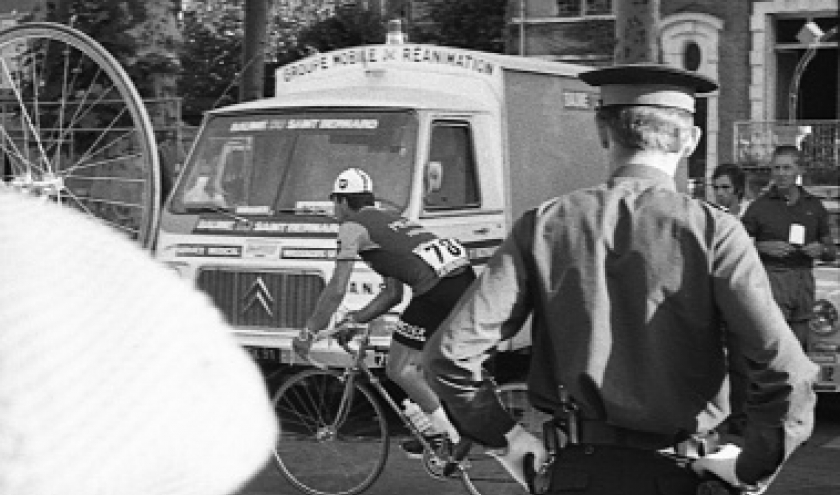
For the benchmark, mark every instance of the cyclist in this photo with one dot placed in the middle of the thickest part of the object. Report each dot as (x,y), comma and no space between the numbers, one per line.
(437,270)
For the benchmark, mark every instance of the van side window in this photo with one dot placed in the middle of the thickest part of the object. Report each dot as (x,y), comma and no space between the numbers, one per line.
(452,147)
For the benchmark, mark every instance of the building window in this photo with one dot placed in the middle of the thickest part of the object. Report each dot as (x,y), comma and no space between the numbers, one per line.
(692,56)
(584,8)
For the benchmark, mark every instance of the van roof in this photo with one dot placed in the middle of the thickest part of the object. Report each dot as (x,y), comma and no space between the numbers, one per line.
(389,97)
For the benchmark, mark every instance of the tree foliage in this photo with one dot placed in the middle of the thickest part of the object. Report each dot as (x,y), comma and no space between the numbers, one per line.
(212,61)
(141,34)
(473,24)
(350,26)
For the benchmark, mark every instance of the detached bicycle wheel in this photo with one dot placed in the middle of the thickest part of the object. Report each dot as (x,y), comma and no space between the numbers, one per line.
(484,475)
(333,439)
(74,130)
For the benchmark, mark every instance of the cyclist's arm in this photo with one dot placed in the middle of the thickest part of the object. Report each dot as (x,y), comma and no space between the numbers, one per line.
(331,298)
(390,295)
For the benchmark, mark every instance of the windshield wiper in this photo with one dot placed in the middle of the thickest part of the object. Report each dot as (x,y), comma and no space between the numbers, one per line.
(315,212)
(208,208)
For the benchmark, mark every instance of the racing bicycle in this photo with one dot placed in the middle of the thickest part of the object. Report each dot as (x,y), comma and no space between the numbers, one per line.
(335,434)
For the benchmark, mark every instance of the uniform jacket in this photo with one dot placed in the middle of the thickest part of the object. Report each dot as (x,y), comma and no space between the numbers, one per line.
(629,284)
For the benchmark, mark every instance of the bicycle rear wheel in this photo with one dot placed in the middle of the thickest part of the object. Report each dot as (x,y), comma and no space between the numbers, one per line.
(333,440)
(484,475)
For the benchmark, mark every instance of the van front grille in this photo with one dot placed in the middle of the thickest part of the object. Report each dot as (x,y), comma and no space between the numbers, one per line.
(271,300)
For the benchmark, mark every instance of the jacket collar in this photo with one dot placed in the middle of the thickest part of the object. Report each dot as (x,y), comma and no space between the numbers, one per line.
(774,193)
(642,172)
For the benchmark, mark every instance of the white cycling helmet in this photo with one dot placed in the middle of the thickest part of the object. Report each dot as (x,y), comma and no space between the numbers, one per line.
(351,181)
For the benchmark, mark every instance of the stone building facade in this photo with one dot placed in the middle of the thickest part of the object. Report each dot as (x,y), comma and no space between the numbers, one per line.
(752,47)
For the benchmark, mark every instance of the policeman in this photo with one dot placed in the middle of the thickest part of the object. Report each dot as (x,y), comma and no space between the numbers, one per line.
(437,270)
(628,285)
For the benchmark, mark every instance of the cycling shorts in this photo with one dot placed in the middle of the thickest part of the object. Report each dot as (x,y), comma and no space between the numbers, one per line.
(427,311)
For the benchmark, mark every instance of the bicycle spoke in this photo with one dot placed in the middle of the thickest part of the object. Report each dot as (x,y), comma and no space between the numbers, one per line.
(24,114)
(318,454)
(483,474)
(79,202)
(75,130)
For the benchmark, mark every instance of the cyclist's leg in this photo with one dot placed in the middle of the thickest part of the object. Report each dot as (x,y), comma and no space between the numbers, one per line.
(405,370)
(421,318)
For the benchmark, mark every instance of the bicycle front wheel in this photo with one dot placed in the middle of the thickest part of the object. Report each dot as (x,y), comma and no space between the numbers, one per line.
(334,436)
(483,474)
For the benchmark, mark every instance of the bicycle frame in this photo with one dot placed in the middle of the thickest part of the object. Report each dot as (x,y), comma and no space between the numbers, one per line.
(347,404)
(357,369)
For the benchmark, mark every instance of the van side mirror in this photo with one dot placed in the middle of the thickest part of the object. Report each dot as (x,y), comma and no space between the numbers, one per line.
(434,176)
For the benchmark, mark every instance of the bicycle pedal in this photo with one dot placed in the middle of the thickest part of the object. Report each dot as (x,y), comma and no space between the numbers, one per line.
(452,468)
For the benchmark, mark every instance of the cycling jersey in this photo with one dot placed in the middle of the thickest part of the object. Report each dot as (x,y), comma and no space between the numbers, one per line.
(396,247)
(437,270)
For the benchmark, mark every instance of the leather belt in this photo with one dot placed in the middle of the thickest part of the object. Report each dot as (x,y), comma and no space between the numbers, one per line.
(594,432)
(599,432)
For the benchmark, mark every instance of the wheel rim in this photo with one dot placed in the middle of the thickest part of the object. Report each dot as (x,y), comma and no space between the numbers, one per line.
(484,475)
(74,130)
(319,456)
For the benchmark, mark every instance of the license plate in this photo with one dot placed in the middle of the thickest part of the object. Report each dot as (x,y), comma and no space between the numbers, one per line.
(829,374)
(265,354)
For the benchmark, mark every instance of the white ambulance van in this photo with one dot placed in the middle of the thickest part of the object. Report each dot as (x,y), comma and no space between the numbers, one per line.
(459,140)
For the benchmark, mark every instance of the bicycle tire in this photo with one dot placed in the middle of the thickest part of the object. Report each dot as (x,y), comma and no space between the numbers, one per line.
(483,474)
(318,458)
(62,80)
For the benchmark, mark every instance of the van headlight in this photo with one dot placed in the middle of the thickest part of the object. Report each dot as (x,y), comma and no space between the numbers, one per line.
(825,318)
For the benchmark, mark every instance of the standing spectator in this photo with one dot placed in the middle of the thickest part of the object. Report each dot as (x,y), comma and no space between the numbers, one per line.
(790,227)
(729,184)
(628,285)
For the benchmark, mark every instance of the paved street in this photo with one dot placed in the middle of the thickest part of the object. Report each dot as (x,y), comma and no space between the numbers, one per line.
(814,470)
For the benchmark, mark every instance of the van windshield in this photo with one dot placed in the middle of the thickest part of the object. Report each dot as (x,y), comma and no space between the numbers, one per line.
(286,162)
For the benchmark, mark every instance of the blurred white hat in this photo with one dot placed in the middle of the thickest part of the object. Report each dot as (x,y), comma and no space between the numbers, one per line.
(116,377)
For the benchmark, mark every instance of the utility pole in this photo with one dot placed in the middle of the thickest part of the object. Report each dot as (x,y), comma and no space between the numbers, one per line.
(253,53)
(636,31)
(637,41)
(523,12)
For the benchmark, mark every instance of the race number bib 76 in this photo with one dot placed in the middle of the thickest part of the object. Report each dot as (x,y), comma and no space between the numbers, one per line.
(443,255)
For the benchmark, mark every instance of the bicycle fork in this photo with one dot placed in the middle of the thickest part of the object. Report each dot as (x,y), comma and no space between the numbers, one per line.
(347,397)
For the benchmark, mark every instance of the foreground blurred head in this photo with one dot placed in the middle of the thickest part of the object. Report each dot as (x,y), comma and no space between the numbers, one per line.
(116,376)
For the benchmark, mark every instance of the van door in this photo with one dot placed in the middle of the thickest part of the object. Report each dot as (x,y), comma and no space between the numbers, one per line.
(457,201)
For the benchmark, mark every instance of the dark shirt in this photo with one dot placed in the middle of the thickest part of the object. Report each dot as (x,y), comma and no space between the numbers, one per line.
(769,219)
(628,285)
(396,247)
